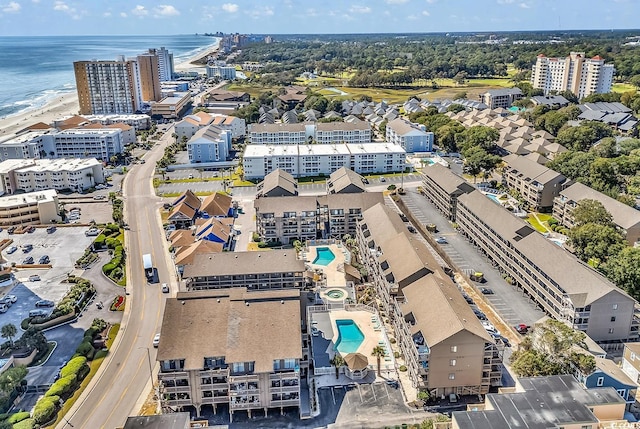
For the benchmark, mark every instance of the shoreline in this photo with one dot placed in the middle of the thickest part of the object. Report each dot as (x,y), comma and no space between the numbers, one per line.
(62,105)
(193,62)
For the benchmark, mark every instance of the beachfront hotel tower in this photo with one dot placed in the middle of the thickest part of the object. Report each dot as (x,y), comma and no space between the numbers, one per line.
(576,73)
(120,86)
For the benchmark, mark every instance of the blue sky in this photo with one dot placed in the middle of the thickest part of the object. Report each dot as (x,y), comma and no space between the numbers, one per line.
(61,17)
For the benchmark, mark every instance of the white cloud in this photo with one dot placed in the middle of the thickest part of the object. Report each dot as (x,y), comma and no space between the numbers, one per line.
(360,9)
(426,13)
(506,1)
(61,6)
(261,12)
(525,6)
(35,1)
(396,1)
(312,12)
(230,7)
(106,14)
(139,11)
(166,10)
(12,7)
(123,14)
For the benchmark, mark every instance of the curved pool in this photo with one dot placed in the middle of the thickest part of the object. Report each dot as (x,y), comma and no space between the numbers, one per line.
(335,294)
(350,337)
(324,256)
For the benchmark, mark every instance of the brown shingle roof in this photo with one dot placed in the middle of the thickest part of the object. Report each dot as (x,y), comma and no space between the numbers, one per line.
(182,210)
(217,204)
(258,326)
(189,198)
(186,254)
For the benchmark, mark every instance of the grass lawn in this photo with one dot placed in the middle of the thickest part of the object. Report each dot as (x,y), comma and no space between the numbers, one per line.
(541,223)
(94,365)
(623,87)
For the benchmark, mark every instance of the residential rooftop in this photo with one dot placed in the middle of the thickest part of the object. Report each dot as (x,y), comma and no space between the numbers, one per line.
(28,198)
(234,263)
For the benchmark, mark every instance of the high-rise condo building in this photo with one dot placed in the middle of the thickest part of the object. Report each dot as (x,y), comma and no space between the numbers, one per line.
(120,86)
(575,73)
(165,63)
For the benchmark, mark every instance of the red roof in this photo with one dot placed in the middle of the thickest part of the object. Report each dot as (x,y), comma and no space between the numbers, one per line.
(597,58)
(541,55)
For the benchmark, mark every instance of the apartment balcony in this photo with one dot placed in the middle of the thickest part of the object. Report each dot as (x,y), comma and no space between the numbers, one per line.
(178,402)
(215,400)
(244,405)
(286,403)
(177,389)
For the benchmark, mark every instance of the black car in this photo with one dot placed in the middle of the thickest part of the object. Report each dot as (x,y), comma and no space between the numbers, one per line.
(45,303)
(468,299)
(11,230)
(411,229)
(28,260)
(44,259)
(486,291)
(51,229)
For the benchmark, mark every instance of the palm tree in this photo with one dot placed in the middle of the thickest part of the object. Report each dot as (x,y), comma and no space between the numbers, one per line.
(378,352)
(337,361)
(9,331)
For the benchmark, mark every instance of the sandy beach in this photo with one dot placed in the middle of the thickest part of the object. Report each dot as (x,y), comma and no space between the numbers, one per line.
(63,105)
(190,64)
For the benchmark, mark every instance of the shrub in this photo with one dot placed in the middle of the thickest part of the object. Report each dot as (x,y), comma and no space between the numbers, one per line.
(45,409)
(107,268)
(18,417)
(402,368)
(25,424)
(98,324)
(84,348)
(62,386)
(74,367)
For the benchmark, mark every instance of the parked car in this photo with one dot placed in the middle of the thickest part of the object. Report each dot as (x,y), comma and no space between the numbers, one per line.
(92,232)
(441,240)
(26,248)
(51,229)
(382,179)
(11,230)
(165,288)
(34,278)
(13,298)
(28,260)
(468,299)
(11,250)
(505,341)
(521,328)
(156,341)
(6,301)
(31,229)
(411,229)
(3,308)
(486,291)
(99,197)
(38,313)
(44,259)
(45,303)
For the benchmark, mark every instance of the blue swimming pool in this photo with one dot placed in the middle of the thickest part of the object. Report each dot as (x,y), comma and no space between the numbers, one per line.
(324,256)
(349,336)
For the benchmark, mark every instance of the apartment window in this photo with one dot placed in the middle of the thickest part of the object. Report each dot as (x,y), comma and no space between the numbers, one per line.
(452,362)
(621,392)
(454,349)
(615,306)
(452,376)
(611,330)
(613,318)
(600,382)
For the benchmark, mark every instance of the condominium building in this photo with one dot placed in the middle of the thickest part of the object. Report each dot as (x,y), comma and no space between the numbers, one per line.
(137,121)
(302,133)
(536,184)
(445,347)
(165,63)
(209,144)
(626,218)
(276,269)
(246,350)
(120,86)
(222,72)
(192,123)
(409,136)
(285,219)
(560,284)
(30,175)
(304,160)
(278,183)
(345,181)
(32,208)
(503,97)
(575,73)
(556,401)
(100,143)
(443,187)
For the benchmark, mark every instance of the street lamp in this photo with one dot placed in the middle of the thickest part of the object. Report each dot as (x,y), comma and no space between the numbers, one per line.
(150,367)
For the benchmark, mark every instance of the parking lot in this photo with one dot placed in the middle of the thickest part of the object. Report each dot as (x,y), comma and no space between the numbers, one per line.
(63,247)
(512,305)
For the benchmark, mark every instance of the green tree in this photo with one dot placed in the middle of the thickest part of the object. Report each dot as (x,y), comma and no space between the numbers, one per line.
(591,211)
(478,136)
(623,269)
(9,331)
(635,81)
(584,135)
(316,102)
(11,378)
(338,362)
(455,108)
(595,242)
(606,148)
(477,160)
(378,352)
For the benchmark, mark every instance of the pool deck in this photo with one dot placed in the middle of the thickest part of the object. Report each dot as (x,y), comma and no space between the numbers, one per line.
(334,276)
(326,323)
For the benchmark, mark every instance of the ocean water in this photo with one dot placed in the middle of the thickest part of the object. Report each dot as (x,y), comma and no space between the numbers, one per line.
(34,70)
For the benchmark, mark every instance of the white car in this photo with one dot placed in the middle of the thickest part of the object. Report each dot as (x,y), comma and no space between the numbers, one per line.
(156,341)
(165,288)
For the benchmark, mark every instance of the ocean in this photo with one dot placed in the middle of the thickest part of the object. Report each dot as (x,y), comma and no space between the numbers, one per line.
(34,70)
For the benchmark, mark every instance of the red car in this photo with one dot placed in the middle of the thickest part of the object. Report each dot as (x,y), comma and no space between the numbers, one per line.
(522,328)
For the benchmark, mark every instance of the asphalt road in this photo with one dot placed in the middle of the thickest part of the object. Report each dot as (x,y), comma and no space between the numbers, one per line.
(123,377)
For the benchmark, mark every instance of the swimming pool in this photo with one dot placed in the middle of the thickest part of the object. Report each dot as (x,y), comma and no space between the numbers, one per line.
(494,198)
(349,336)
(324,256)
